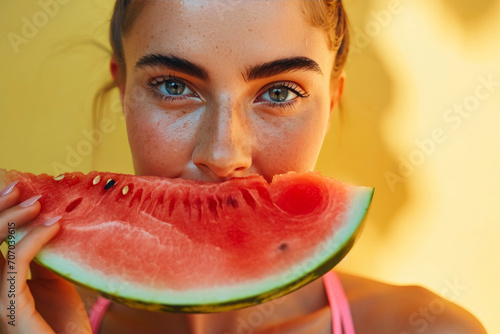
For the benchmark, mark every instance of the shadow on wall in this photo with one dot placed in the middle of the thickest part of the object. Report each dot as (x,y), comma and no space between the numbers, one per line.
(469,12)
(355,149)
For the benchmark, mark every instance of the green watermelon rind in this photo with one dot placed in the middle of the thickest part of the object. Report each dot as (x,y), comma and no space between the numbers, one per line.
(225,298)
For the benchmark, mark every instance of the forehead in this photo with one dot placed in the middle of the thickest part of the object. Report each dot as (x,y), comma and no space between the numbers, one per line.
(236,29)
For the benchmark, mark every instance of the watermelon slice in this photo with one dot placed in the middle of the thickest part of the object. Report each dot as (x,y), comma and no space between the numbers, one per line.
(190,246)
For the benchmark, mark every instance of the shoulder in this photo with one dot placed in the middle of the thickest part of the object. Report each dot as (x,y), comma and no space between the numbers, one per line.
(404,309)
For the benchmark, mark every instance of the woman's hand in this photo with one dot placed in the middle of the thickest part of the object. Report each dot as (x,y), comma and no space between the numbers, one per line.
(46,303)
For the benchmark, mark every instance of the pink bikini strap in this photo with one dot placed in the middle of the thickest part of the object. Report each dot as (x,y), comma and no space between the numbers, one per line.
(97,312)
(341,313)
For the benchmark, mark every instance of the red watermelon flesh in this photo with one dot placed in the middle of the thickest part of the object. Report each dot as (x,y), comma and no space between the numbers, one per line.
(192,246)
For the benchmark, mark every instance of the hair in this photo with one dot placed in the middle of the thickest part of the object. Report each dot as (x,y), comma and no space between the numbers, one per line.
(328,15)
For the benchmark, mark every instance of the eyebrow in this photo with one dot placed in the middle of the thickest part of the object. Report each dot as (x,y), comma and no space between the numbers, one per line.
(281,66)
(173,63)
(259,71)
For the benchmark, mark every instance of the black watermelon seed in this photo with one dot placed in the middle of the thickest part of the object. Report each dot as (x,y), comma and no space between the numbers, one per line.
(110,183)
(283,247)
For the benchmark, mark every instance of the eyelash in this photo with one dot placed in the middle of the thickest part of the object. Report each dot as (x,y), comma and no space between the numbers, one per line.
(158,81)
(293,87)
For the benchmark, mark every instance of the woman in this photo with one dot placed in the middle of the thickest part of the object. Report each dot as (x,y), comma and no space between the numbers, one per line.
(214,90)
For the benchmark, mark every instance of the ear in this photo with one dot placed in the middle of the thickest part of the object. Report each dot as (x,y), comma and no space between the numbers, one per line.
(118,77)
(337,90)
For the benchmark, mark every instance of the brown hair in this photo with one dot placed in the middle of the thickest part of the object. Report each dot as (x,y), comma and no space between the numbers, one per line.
(124,15)
(328,15)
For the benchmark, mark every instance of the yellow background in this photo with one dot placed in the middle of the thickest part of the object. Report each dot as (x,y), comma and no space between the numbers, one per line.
(412,61)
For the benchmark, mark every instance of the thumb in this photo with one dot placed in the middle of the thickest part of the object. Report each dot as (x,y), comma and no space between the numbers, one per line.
(14,291)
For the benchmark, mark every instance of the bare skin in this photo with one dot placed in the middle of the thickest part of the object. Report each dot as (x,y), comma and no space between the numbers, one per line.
(376,308)
(224,126)
(227,122)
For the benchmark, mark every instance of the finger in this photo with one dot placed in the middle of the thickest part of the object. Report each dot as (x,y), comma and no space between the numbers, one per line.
(18,215)
(10,197)
(13,284)
(25,251)
(23,254)
(39,272)
(30,245)
(12,215)
(15,216)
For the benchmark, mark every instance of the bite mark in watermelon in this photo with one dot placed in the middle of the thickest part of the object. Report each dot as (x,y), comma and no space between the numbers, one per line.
(191,246)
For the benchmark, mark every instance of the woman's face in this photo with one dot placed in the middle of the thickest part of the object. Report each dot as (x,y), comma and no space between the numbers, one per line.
(222,89)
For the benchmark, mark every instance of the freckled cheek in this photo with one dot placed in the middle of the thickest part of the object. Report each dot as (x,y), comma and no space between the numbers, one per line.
(144,137)
(293,146)
(160,144)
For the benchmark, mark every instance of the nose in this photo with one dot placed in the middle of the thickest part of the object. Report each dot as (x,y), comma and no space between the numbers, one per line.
(224,143)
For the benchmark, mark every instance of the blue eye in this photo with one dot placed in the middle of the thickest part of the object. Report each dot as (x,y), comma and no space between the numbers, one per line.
(174,88)
(170,88)
(279,94)
(282,94)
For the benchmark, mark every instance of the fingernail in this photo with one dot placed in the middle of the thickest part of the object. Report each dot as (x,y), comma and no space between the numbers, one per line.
(29,201)
(8,189)
(52,221)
